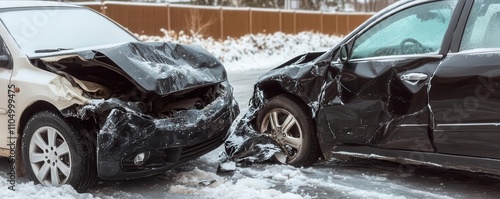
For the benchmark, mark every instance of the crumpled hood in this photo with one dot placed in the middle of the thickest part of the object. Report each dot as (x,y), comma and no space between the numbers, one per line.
(159,67)
(166,67)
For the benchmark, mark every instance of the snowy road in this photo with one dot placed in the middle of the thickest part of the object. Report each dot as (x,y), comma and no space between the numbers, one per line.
(198,179)
(352,179)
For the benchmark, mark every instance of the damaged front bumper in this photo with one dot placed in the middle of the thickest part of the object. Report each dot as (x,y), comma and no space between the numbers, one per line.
(161,143)
(149,106)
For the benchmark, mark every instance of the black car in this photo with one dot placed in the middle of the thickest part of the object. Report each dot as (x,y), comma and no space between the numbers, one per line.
(417,83)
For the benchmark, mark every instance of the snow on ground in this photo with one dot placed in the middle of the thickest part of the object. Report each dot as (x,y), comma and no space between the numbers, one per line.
(198,178)
(30,190)
(239,186)
(254,51)
(238,54)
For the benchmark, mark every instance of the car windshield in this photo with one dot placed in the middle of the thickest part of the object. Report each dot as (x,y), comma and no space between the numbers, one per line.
(423,25)
(50,29)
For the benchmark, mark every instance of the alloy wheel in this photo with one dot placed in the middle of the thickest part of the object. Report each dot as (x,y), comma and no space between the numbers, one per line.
(50,156)
(284,128)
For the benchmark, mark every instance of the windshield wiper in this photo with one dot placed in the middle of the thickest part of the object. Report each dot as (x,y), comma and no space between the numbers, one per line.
(49,50)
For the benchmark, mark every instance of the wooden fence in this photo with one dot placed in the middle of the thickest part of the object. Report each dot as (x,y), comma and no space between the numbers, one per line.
(222,22)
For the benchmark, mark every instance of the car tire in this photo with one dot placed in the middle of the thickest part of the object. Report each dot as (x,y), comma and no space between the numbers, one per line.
(293,129)
(70,157)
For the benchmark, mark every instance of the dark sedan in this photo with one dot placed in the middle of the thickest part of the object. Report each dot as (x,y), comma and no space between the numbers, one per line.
(417,83)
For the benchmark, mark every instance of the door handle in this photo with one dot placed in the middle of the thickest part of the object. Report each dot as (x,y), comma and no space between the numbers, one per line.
(413,77)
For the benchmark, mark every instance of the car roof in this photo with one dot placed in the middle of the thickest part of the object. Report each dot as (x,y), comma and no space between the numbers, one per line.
(27,4)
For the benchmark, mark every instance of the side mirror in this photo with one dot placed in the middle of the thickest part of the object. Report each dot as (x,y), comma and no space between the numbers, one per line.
(344,54)
(4,60)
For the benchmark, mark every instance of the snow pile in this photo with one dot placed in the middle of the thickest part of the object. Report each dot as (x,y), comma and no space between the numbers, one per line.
(287,182)
(245,184)
(30,190)
(254,51)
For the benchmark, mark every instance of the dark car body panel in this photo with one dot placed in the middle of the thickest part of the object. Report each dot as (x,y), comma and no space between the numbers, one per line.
(174,139)
(367,108)
(374,106)
(465,95)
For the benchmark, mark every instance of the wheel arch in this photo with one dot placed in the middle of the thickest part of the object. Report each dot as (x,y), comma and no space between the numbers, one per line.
(78,133)
(36,107)
(272,89)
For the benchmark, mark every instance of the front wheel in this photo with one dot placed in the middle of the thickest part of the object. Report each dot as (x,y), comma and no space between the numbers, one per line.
(56,152)
(289,124)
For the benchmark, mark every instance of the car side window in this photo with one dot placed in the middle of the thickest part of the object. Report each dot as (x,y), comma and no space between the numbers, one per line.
(416,30)
(483,26)
(3,48)
(5,58)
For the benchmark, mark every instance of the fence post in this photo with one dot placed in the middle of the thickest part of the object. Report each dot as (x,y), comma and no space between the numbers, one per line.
(294,21)
(103,8)
(169,17)
(348,25)
(321,20)
(250,20)
(336,23)
(221,23)
(280,18)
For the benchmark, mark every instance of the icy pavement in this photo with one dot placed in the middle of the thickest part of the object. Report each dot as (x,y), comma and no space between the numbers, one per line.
(354,179)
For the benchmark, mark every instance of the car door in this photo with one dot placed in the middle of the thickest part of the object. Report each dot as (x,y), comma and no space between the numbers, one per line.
(383,86)
(5,74)
(465,92)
